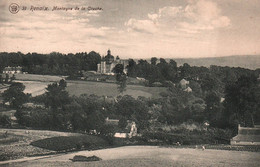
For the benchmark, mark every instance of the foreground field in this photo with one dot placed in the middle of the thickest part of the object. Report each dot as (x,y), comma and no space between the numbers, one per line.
(110,89)
(152,156)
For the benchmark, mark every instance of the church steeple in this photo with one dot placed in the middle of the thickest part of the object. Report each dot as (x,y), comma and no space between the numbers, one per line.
(109,58)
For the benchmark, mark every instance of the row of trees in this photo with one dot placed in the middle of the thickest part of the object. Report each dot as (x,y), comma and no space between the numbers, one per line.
(54,63)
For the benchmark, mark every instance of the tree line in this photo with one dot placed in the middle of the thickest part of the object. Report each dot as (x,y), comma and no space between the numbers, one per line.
(53,64)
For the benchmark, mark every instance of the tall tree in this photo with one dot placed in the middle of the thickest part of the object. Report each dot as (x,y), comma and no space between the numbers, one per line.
(56,95)
(120,77)
(15,95)
(154,60)
(242,101)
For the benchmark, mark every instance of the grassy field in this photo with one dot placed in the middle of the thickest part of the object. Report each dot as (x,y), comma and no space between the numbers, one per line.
(34,77)
(36,84)
(17,143)
(110,89)
(35,87)
(151,156)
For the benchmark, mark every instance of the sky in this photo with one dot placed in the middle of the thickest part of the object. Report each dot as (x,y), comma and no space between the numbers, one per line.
(134,28)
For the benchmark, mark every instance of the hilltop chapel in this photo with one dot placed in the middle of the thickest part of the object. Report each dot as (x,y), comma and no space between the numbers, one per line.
(108,63)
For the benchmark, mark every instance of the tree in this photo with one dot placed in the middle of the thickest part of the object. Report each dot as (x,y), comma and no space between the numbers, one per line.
(5,120)
(1,79)
(153,60)
(120,77)
(131,68)
(6,78)
(173,63)
(119,69)
(56,95)
(92,59)
(122,123)
(15,95)
(129,108)
(12,78)
(62,84)
(242,101)
(213,110)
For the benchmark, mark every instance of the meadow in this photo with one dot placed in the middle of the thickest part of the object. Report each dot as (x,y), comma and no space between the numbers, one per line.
(35,77)
(110,89)
(36,84)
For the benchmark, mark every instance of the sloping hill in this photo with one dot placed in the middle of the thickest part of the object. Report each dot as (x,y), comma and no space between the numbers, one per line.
(246,61)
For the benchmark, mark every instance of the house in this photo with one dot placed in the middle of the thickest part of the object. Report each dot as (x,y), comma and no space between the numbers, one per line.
(110,99)
(141,79)
(129,131)
(12,70)
(184,83)
(157,84)
(188,89)
(247,136)
(108,63)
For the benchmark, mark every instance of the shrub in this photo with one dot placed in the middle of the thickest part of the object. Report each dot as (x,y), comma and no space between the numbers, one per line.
(67,143)
(5,120)
(186,137)
(84,158)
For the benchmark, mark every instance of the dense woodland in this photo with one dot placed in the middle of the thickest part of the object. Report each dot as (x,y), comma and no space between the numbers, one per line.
(222,96)
(53,64)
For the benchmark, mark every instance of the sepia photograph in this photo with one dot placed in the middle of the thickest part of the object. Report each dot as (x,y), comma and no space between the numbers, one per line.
(129,83)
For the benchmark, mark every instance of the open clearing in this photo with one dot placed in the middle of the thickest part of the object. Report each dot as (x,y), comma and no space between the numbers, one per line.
(35,88)
(36,84)
(152,156)
(110,89)
(35,77)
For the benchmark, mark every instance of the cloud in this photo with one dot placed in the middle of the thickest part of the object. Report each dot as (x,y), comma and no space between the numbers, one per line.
(196,17)
(147,26)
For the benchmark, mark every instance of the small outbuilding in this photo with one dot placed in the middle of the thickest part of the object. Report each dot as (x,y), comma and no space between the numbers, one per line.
(128,132)
(247,136)
(188,89)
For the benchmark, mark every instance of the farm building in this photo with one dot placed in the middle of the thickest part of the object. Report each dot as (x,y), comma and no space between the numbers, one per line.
(12,70)
(108,63)
(129,131)
(247,136)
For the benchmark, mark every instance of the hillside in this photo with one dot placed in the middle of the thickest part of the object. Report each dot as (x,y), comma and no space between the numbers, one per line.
(247,61)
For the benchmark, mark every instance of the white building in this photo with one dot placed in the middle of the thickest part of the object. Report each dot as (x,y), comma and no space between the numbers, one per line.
(128,132)
(108,63)
(12,70)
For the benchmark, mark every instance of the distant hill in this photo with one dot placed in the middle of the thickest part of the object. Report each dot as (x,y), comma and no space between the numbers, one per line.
(247,61)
